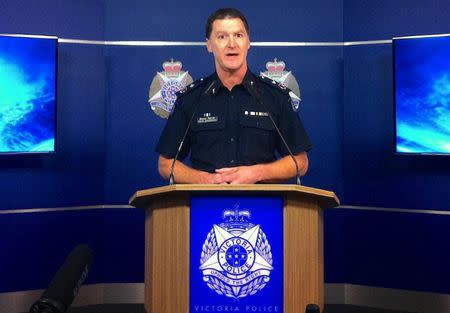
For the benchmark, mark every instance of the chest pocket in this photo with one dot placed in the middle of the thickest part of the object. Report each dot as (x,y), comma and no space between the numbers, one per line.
(257,138)
(206,133)
(256,122)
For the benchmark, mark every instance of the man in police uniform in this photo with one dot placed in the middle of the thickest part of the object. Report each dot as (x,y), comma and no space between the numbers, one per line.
(229,132)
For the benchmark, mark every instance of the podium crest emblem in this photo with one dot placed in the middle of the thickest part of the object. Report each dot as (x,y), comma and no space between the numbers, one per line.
(275,70)
(164,85)
(236,259)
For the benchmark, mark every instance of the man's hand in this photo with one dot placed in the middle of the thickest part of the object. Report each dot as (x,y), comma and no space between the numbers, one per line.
(274,172)
(184,174)
(211,178)
(277,171)
(239,174)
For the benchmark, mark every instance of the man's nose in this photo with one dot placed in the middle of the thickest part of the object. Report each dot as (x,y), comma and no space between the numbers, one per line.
(231,42)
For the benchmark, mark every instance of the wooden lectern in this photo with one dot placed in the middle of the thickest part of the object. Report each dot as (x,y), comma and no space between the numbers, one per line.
(167,242)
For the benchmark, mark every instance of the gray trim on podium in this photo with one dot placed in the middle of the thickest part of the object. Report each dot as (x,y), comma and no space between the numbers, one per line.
(71,208)
(383,298)
(125,206)
(398,210)
(387,298)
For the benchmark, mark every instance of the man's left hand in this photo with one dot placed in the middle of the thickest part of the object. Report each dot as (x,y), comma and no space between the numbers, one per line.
(239,174)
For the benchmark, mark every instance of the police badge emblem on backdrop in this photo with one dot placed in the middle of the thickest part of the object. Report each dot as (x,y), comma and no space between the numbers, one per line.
(236,261)
(164,86)
(276,71)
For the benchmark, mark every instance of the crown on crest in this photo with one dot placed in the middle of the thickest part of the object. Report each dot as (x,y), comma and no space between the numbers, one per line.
(172,67)
(236,216)
(275,66)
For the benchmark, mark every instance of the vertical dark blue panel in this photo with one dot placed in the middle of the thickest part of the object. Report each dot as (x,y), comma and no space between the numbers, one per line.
(384,19)
(35,245)
(75,174)
(374,175)
(334,246)
(397,250)
(285,20)
(66,19)
(369,160)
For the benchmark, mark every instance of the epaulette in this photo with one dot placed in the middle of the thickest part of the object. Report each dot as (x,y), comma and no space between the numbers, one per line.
(189,88)
(273,83)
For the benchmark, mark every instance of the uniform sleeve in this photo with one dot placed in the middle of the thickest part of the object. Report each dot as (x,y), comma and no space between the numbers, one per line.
(292,129)
(172,134)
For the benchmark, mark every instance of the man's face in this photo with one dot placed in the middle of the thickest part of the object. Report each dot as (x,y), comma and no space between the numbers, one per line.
(229,42)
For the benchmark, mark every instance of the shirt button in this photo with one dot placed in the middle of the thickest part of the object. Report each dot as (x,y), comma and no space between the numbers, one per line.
(231,139)
(232,161)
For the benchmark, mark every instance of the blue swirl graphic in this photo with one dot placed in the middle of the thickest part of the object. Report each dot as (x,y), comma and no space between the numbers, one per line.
(423,95)
(27,94)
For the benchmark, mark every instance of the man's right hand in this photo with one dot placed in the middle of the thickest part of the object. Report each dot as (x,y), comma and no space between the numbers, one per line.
(184,174)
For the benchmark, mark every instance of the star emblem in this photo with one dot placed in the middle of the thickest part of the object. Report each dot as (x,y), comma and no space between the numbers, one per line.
(162,79)
(223,235)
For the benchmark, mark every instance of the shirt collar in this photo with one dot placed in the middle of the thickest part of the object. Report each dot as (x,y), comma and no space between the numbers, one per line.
(249,79)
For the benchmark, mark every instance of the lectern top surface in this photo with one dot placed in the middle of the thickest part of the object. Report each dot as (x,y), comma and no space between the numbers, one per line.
(327,199)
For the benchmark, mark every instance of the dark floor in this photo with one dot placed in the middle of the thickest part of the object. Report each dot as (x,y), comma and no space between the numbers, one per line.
(139,308)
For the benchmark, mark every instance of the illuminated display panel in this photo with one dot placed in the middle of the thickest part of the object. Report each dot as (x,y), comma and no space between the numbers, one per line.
(422,94)
(27,94)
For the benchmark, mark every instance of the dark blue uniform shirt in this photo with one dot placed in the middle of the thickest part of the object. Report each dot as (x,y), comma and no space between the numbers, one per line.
(232,128)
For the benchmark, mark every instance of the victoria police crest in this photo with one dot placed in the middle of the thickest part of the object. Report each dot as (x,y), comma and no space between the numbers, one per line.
(236,259)
(164,85)
(275,70)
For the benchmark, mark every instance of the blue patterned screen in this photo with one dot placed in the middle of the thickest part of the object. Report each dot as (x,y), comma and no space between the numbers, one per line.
(27,94)
(422,94)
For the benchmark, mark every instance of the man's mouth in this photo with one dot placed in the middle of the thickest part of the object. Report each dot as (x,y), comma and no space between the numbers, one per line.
(232,54)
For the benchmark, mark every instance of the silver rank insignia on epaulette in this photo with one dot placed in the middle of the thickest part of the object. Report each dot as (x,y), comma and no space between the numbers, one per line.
(236,259)
(191,86)
(165,85)
(276,72)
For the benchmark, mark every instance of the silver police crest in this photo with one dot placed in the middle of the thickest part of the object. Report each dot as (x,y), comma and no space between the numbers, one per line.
(236,258)
(164,85)
(276,71)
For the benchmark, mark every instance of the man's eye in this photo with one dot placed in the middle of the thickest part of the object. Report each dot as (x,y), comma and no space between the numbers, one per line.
(221,36)
(240,35)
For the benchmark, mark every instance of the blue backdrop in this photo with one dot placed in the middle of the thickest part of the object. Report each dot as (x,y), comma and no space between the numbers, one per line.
(107,133)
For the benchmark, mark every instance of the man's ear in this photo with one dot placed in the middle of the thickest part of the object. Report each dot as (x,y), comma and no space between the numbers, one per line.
(208,45)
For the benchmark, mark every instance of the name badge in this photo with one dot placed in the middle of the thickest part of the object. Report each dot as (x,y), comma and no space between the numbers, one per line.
(207,118)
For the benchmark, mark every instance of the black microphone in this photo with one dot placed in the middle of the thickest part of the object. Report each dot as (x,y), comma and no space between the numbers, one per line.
(66,283)
(312,308)
(250,85)
(207,91)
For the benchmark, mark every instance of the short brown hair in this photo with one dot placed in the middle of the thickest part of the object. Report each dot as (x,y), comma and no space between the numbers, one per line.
(222,14)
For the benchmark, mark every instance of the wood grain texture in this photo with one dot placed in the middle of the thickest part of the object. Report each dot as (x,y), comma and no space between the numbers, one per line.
(303,253)
(167,255)
(167,242)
